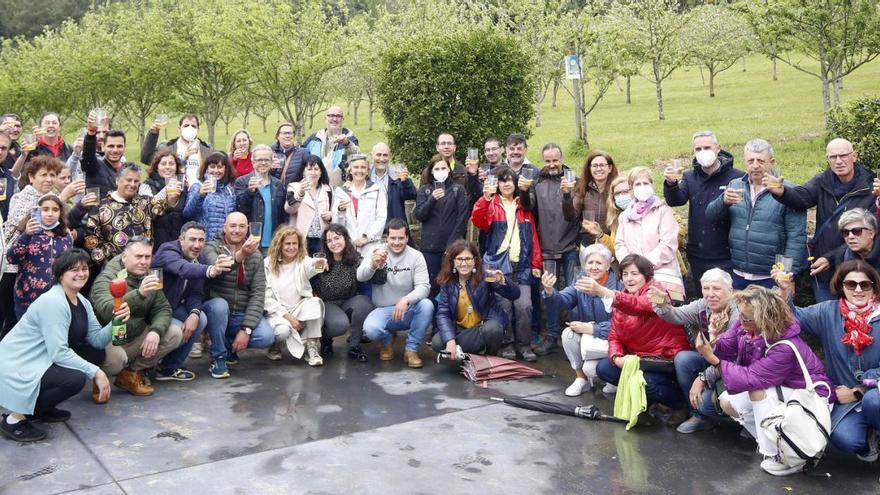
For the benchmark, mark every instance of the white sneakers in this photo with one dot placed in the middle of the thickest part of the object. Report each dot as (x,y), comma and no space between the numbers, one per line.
(577,387)
(196,351)
(609,389)
(775,466)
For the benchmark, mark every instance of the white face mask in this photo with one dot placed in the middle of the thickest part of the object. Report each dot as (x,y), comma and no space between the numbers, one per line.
(706,158)
(643,192)
(441,175)
(188,133)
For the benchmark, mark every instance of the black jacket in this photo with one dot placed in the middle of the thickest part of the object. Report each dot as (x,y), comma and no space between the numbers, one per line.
(251,203)
(443,221)
(183,280)
(151,141)
(398,193)
(98,172)
(707,240)
(166,227)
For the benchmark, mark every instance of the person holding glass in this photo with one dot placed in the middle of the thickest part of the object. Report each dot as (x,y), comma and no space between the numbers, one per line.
(290,157)
(44,236)
(590,194)
(858,227)
(294,312)
(52,351)
(442,207)
(308,201)
(210,201)
(165,175)
(585,339)
(361,206)
(469,314)
(259,196)
(512,246)
(240,152)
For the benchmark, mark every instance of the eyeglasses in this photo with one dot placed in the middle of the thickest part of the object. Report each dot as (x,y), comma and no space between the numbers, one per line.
(834,158)
(598,165)
(334,115)
(287,133)
(464,260)
(743,319)
(856,231)
(864,285)
(263,160)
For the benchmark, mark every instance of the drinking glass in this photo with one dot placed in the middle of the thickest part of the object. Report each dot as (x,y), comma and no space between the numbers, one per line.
(569,176)
(550,267)
(489,274)
(784,263)
(320,262)
(100,116)
(473,154)
(256,230)
(96,191)
(162,120)
(159,274)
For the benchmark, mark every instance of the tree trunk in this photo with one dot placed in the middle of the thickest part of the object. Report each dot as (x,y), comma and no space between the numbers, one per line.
(744,64)
(775,77)
(711,83)
(264,118)
(370,110)
(826,101)
(245,117)
(556,86)
(629,90)
(538,108)
(356,105)
(658,85)
(578,115)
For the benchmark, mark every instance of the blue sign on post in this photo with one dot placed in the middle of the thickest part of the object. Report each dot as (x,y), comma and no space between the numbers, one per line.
(572,67)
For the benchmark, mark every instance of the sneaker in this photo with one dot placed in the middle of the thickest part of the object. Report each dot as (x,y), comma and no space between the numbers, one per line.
(53,415)
(326,346)
(577,387)
(528,355)
(232,359)
(312,352)
(873,448)
(508,353)
(196,351)
(23,431)
(609,389)
(218,369)
(775,466)
(274,353)
(180,375)
(546,347)
(695,424)
(356,352)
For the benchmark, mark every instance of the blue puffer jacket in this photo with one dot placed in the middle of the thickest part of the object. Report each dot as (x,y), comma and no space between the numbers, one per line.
(759,233)
(211,209)
(590,308)
(484,299)
(706,240)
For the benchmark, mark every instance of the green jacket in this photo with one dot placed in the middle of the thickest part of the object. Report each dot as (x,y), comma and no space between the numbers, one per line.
(249,296)
(147,313)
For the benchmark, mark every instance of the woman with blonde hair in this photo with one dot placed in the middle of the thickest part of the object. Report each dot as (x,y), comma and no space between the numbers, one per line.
(757,374)
(648,227)
(239,152)
(291,307)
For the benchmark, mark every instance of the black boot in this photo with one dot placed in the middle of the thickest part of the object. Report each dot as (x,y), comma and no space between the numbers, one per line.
(326,346)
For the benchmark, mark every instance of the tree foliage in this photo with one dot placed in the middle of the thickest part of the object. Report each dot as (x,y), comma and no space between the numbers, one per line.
(471,83)
(717,37)
(860,124)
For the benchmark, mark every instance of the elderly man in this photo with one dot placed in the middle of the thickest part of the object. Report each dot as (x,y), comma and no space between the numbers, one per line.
(121,215)
(844,186)
(707,245)
(149,336)
(235,300)
(858,227)
(397,189)
(760,228)
(334,144)
(557,235)
(186,146)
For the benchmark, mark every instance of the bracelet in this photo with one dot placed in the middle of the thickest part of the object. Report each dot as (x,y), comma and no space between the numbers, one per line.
(195,311)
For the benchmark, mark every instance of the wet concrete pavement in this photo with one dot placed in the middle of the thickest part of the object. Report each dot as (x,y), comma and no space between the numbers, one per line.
(382,428)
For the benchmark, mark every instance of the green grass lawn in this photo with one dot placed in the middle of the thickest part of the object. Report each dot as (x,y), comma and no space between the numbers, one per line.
(787,112)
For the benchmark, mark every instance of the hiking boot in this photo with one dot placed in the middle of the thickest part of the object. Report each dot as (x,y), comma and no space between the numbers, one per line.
(96,393)
(312,352)
(180,375)
(386,353)
(326,346)
(23,431)
(274,353)
(53,415)
(412,359)
(695,424)
(218,369)
(356,352)
(548,346)
(775,466)
(133,382)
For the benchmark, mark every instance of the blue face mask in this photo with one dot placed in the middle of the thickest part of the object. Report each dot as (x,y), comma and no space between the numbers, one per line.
(622,201)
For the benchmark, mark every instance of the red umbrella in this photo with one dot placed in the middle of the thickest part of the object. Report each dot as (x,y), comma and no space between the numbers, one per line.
(484,369)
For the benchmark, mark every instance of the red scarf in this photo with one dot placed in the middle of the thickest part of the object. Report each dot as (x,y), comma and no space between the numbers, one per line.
(855,325)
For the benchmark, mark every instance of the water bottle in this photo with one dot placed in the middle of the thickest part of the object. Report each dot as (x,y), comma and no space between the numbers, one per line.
(192,169)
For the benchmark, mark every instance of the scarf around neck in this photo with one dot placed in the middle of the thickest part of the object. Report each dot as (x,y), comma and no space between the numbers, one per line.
(856,328)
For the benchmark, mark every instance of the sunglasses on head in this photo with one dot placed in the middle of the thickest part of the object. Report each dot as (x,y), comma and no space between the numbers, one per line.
(856,231)
(864,285)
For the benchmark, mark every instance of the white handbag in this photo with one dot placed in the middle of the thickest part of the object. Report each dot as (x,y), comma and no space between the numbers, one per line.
(800,427)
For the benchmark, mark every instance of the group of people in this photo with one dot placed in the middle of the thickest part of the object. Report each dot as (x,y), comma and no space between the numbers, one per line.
(287,247)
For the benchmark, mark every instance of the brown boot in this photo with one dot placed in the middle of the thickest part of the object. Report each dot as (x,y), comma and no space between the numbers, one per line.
(412,359)
(386,353)
(134,382)
(96,393)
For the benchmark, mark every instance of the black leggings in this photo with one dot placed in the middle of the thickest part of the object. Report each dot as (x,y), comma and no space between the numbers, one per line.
(57,385)
(8,319)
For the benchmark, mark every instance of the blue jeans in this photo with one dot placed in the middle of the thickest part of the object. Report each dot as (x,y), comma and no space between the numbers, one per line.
(740,283)
(688,365)
(659,387)
(564,273)
(223,325)
(174,359)
(378,325)
(851,433)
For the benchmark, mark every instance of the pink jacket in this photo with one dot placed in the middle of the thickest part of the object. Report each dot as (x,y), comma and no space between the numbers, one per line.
(303,212)
(654,236)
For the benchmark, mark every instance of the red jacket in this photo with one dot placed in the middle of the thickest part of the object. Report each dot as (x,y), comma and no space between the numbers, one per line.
(491,218)
(242,166)
(636,329)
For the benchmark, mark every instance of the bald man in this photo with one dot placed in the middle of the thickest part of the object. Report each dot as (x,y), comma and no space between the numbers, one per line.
(844,185)
(334,144)
(398,188)
(234,300)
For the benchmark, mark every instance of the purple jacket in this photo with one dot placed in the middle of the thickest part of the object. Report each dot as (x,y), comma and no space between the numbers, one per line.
(744,366)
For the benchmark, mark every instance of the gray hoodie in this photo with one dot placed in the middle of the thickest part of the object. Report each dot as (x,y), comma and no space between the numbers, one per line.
(407,277)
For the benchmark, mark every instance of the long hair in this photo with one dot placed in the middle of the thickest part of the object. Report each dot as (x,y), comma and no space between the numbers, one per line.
(349,253)
(447,270)
(610,206)
(587,175)
(858,266)
(221,158)
(61,228)
(160,154)
(235,134)
(311,160)
(771,312)
(428,173)
(281,235)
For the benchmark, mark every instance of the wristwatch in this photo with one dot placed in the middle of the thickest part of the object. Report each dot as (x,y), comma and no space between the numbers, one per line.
(247,330)
(858,394)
